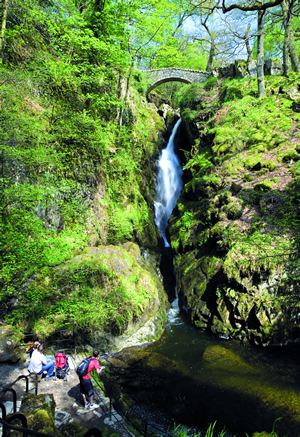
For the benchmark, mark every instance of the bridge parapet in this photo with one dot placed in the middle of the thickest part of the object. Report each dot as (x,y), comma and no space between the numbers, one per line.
(163,75)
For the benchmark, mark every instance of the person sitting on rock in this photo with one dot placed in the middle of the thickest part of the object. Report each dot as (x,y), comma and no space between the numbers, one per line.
(38,363)
(32,346)
(86,386)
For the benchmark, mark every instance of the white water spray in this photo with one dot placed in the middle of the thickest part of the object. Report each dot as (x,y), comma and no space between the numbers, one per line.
(168,184)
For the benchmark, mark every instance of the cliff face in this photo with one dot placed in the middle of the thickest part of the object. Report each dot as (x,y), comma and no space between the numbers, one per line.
(235,229)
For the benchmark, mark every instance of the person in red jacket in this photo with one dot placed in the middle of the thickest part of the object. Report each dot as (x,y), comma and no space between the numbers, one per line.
(86,386)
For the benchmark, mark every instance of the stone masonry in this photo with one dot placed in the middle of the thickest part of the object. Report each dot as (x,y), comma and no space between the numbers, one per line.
(162,75)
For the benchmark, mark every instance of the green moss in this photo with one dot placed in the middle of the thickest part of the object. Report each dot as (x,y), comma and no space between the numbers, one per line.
(211,83)
(252,161)
(247,177)
(289,155)
(103,287)
(42,420)
(233,211)
(39,411)
(262,171)
(270,165)
(266,185)
(72,429)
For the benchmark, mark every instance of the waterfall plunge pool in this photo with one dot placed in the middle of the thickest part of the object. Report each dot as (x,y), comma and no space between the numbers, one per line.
(190,378)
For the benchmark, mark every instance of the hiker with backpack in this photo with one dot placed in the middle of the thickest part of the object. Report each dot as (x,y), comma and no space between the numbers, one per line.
(84,372)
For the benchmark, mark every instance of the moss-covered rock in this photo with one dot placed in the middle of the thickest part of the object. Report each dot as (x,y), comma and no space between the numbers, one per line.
(106,291)
(266,185)
(40,412)
(72,429)
(10,344)
(243,226)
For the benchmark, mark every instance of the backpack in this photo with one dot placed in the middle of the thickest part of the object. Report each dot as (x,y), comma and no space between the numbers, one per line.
(83,367)
(61,360)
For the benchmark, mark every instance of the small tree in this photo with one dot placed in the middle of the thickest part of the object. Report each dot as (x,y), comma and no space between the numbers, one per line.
(261,8)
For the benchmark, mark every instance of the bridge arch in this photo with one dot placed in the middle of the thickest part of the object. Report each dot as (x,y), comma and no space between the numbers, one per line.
(162,75)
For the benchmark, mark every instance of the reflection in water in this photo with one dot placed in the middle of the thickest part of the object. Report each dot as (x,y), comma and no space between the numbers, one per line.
(244,388)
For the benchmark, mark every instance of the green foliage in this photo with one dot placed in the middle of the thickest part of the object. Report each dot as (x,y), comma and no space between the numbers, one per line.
(240,123)
(211,83)
(188,96)
(182,431)
(69,177)
(247,177)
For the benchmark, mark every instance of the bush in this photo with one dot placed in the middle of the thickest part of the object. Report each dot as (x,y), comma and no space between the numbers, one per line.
(211,83)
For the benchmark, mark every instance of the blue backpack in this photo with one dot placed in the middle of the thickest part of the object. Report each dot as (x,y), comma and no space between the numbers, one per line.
(83,367)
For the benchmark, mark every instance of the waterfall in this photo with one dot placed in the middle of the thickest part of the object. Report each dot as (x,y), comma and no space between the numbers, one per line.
(168,184)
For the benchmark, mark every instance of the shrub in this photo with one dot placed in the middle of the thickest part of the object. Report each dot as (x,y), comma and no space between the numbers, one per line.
(210,83)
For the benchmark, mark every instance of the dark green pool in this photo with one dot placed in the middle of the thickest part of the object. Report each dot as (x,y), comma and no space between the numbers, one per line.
(244,388)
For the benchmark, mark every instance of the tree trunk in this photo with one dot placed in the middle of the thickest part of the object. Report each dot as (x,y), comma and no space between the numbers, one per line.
(289,42)
(211,54)
(290,37)
(125,98)
(260,55)
(3,26)
(249,50)
(285,56)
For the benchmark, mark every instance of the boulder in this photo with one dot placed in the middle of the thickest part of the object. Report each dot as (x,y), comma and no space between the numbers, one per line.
(241,70)
(169,115)
(40,412)
(235,188)
(273,67)
(296,105)
(252,68)
(9,343)
(227,71)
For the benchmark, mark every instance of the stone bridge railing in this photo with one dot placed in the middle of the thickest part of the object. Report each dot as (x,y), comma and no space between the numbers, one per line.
(162,75)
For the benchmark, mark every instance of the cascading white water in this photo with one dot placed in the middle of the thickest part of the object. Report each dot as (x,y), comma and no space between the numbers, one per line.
(168,184)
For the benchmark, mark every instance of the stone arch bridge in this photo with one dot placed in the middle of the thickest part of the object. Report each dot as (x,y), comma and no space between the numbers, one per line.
(162,75)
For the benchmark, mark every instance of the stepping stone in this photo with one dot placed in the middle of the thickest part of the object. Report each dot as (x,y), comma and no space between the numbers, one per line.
(62,417)
(97,414)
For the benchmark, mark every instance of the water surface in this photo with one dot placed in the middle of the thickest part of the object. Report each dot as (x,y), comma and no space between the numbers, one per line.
(244,388)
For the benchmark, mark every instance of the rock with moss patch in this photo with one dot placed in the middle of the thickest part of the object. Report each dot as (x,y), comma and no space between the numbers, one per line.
(266,185)
(40,412)
(72,429)
(235,188)
(10,344)
(290,155)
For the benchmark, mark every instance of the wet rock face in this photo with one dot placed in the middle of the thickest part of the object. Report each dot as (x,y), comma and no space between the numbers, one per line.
(9,344)
(246,310)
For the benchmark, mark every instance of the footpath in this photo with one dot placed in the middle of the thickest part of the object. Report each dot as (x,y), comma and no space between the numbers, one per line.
(69,403)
